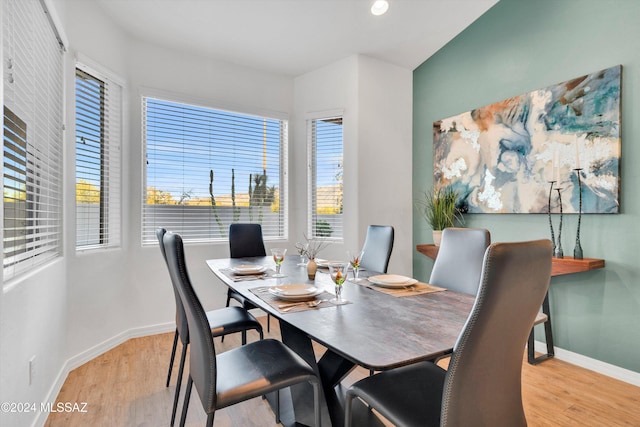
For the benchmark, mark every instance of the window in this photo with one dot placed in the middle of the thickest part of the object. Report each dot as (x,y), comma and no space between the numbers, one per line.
(98,136)
(207,168)
(32,138)
(325,177)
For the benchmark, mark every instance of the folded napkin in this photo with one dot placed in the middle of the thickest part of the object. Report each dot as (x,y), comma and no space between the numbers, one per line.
(407,291)
(242,277)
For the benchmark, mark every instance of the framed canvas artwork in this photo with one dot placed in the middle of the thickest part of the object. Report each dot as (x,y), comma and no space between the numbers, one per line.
(502,158)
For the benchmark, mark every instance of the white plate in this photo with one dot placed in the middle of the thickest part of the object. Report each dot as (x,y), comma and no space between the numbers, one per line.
(392,280)
(325,262)
(295,292)
(248,269)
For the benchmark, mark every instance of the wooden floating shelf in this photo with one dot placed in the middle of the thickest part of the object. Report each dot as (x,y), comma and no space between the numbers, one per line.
(560,266)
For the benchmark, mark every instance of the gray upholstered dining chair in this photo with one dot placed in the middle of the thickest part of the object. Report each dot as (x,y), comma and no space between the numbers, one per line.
(377,248)
(238,374)
(221,322)
(466,247)
(482,385)
(459,262)
(245,241)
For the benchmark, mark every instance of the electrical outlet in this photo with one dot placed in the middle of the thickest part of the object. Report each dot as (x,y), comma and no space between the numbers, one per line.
(32,369)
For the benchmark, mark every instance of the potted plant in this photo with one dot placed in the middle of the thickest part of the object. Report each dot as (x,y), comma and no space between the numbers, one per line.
(440,211)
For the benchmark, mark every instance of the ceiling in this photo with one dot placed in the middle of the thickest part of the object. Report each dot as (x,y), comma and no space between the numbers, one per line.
(292,37)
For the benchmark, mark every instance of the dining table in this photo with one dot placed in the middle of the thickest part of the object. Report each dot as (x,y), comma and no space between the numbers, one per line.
(376,329)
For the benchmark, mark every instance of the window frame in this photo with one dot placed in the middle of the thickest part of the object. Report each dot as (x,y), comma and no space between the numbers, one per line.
(312,166)
(147,230)
(33,91)
(112,141)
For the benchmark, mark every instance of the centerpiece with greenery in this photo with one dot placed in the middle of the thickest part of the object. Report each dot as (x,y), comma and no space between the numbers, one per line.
(439,209)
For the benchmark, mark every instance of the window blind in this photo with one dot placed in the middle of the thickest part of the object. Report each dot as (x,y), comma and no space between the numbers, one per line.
(32,149)
(98,160)
(207,168)
(325,138)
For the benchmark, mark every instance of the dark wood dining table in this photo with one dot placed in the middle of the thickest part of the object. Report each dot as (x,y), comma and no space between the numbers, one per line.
(374,330)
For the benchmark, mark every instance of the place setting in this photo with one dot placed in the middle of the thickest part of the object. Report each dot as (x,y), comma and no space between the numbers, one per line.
(399,286)
(295,297)
(243,272)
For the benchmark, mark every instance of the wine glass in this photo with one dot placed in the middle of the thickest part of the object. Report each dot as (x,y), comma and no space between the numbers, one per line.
(278,257)
(302,250)
(338,273)
(354,259)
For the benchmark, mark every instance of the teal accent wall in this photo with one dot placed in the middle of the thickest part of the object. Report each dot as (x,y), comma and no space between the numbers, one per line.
(516,47)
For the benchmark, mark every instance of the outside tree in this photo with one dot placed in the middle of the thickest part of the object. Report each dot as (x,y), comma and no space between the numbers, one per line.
(159,197)
(87,192)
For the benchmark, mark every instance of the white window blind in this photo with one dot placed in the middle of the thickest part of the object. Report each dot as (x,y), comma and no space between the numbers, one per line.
(325,177)
(98,162)
(32,148)
(208,168)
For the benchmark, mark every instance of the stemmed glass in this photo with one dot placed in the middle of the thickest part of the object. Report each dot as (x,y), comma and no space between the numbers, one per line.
(302,250)
(338,273)
(278,257)
(354,259)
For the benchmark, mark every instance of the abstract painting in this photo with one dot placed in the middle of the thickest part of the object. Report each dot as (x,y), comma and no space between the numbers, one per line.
(501,158)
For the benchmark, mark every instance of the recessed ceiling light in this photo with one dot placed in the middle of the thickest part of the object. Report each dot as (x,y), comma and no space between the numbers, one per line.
(380,7)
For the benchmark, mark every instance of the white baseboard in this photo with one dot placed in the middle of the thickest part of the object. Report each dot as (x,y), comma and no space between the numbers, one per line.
(94,352)
(598,366)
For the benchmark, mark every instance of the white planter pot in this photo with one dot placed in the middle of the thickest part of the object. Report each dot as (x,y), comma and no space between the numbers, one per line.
(437,237)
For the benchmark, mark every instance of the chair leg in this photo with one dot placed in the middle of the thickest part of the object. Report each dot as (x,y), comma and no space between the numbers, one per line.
(173,355)
(178,384)
(185,405)
(268,322)
(228,302)
(316,403)
(210,419)
(348,403)
(244,337)
(277,406)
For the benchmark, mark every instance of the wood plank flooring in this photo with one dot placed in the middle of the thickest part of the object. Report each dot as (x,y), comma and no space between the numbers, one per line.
(126,387)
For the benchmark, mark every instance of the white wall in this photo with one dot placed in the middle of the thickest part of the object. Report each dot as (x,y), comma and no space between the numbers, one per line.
(385,98)
(85,303)
(33,312)
(98,289)
(119,293)
(155,70)
(376,98)
(33,323)
(328,89)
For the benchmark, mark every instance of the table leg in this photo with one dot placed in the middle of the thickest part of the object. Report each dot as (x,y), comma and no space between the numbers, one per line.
(296,404)
(548,333)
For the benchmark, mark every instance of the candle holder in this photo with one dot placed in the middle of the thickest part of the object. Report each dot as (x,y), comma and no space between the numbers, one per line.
(553,237)
(558,253)
(577,251)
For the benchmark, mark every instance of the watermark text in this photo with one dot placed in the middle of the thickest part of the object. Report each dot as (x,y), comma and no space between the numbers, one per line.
(49,407)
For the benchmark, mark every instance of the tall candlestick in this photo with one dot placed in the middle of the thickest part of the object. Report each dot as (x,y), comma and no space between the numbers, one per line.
(553,239)
(577,251)
(558,252)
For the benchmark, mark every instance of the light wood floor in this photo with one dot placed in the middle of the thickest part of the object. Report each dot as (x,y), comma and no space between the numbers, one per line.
(126,387)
